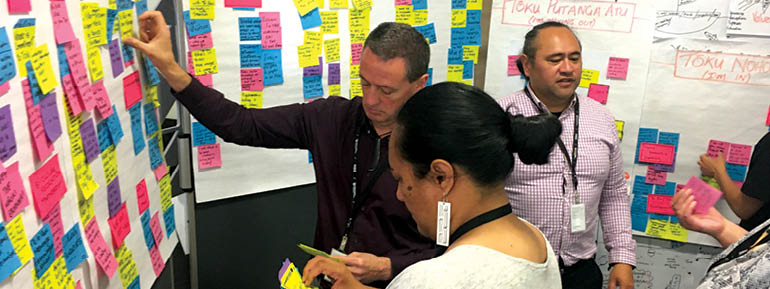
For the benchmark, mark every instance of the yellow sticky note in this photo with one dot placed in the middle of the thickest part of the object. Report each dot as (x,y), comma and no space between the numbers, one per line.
(474,4)
(73,130)
(94,21)
(619,124)
(84,177)
(355,88)
(332,50)
(306,55)
(292,278)
(126,265)
(454,72)
(471,52)
(202,9)
(112,4)
(151,94)
(358,21)
(676,232)
(100,26)
(24,41)
(165,192)
(320,3)
(18,236)
(95,67)
(305,6)
(338,3)
(205,61)
(251,99)
(330,22)
(588,77)
(467,81)
(126,19)
(420,17)
(110,164)
(404,14)
(656,228)
(711,181)
(458,18)
(314,39)
(86,209)
(355,71)
(334,89)
(362,4)
(41,64)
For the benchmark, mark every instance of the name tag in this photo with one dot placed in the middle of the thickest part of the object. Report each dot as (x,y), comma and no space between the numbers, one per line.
(577,214)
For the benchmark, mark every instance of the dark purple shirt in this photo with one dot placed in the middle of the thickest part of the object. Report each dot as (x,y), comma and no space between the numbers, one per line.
(327,128)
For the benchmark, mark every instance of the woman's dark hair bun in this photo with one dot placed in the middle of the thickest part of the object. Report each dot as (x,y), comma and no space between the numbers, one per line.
(533,138)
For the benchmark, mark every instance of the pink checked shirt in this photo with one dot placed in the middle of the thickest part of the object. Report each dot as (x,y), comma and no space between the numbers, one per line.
(535,191)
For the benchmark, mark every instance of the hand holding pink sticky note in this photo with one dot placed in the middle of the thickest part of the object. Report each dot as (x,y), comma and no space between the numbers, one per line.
(705,196)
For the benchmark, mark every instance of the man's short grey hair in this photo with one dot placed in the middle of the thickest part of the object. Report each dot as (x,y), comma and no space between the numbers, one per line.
(390,40)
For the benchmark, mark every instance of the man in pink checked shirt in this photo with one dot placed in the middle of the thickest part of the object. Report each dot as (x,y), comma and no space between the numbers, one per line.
(583,183)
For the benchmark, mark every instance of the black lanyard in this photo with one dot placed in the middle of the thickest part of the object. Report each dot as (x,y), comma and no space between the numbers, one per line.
(571,162)
(358,199)
(743,248)
(471,224)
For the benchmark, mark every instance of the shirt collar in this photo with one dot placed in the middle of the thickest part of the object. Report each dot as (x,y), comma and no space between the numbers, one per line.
(540,104)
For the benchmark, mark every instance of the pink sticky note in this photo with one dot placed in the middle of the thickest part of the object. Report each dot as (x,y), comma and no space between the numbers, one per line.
(659,204)
(656,153)
(40,142)
(617,68)
(655,177)
(739,154)
(132,89)
(206,80)
(271,30)
(512,68)
(598,92)
(78,286)
(12,196)
(716,146)
(244,3)
(705,196)
(47,186)
(157,261)
(209,156)
(62,29)
(77,66)
(251,79)
(19,6)
(53,219)
(738,183)
(160,171)
(72,94)
(155,228)
(99,248)
(103,104)
(403,2)
(355,52)
(142,201)
(87,97)
(5,87)
(120,226)
(200,41)
(767,120)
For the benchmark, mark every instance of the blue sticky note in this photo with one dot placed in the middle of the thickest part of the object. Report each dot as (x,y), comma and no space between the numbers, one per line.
(659,217)
(24,22)
(468,69)
(251,55)
(473,17)
(669,189)
(459,4)
(250,28)
(311,19)
(64,67)
(150,119)
(103,135)
(309,157)
(128,53)
(42,247)
(156,157)
(430,77)
(149,240)
(244,9)
(141,7)
(640,187)
(34,87)
(7,64)
(151,72)
(111,14)
(648,135)
(472,34)
(455,55)
(196,26)
(125,4)
(74,251)
(136,127)
(312,86)
(168,218)
(457,37)
(116,131)
(134,284)
(202,135)
(639,214)
(669,138)
(428,31)
(736,172)
(419,4)
(674,220)
(272,66)
(9,261)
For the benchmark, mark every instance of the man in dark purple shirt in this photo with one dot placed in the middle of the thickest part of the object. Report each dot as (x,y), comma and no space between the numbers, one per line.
(358,212)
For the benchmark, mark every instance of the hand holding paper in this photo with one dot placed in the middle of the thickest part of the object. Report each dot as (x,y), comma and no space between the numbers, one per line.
(683,203)
(710,166)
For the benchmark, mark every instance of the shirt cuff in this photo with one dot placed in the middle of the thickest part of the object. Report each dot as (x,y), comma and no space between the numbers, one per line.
(624,256)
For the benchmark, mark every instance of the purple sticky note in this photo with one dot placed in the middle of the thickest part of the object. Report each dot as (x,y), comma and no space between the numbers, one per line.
(90,142)
(116,58)
(705,196)
(50,115)
(314,70)
(114,201)
(334,73)
(7,137)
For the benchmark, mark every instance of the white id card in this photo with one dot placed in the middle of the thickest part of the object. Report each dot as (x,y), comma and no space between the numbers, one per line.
(577,214)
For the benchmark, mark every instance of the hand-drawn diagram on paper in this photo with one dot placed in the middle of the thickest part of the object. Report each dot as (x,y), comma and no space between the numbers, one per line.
(749,17)
(699,19)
